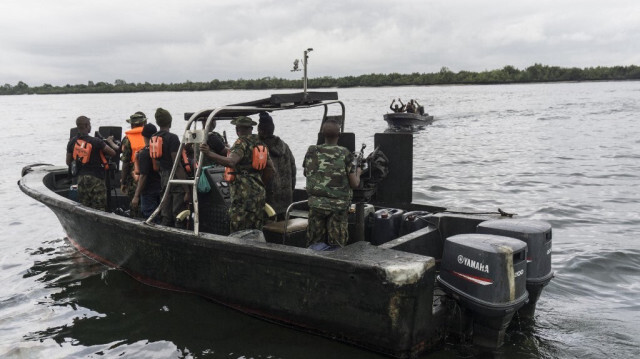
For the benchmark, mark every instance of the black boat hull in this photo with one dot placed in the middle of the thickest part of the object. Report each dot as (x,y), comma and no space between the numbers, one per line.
(404,119)
(380,299)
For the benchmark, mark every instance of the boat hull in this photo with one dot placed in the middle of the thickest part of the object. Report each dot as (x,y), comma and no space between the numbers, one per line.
(404,119)
(380,299)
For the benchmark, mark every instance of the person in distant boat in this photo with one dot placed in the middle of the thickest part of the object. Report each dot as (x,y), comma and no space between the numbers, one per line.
(163,147)
(86,158)
(280,188)
(148,191)
(247,163)
(131,144)
(398,107)
(331,175)
(215,144)
(419,107)
(411,107)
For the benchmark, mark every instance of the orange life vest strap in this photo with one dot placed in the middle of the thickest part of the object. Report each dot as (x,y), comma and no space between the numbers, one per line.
(185,161)
(105,163)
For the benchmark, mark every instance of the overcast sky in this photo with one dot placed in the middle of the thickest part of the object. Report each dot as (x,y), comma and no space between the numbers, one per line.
(71,41)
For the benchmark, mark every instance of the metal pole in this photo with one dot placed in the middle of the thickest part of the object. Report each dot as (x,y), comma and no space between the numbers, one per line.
(359,228)
(304,64)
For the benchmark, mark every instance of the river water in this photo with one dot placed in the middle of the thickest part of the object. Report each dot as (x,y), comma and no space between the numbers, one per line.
(566,153)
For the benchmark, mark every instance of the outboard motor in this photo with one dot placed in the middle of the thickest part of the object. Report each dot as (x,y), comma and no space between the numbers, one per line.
(485,274)
(537,236)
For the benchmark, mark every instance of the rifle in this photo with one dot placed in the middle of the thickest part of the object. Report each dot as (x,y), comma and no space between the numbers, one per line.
(360,160)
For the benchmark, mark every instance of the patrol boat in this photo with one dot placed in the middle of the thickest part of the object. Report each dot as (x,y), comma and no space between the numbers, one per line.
(410,275)
(404,120)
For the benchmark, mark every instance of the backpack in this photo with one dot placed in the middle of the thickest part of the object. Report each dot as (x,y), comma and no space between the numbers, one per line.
(259,157)
(82,155)
(82,151)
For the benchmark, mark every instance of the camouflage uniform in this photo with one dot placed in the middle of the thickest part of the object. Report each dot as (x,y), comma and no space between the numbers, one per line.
(127,178)
(327,168)
(280,188)
(247,190)
(92,192)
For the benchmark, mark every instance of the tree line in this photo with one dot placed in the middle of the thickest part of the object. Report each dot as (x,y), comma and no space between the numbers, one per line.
(505,75)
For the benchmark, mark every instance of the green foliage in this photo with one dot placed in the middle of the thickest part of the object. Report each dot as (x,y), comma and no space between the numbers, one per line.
(508,74)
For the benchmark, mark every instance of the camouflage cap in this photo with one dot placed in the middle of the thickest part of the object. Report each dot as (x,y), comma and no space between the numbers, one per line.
(137,118)
(243,121)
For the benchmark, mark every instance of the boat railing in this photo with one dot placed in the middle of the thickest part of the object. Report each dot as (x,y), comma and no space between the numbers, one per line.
(191,135)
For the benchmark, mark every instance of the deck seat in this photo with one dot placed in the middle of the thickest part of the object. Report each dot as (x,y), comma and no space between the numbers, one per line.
(296,234)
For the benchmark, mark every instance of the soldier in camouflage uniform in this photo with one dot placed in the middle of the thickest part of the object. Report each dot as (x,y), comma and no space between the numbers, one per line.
(331,174)
(128,181)
(280,188)
(92,191)
(247,190)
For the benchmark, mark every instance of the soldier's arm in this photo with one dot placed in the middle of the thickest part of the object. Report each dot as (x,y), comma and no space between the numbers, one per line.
(354,178)
(69,158)
(142,181)
(126,161)
(108,151)
(229,161)
(269,171)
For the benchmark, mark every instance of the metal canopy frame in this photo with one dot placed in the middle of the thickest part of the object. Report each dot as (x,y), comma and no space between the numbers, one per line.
(278,102)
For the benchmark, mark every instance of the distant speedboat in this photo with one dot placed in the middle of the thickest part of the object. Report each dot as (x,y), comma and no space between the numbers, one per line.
(407,120)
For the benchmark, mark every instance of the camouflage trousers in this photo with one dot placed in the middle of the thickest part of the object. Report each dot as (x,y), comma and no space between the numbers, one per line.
(247,205)
(329,226)
(92,192)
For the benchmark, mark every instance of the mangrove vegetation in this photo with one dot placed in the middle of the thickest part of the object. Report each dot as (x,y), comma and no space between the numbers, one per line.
(505,75)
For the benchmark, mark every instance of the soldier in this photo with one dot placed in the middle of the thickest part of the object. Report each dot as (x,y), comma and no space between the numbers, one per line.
(411,107)
(331,175)
(170,144)
(215,144)
(280,188)
(247,186)
(131,144)
(147,194)
(397,108)
(85,155)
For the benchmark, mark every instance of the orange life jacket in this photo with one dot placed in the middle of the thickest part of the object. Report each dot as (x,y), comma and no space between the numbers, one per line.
(136,140)
(259,158)
(82,153)
(155,147)
(155,151)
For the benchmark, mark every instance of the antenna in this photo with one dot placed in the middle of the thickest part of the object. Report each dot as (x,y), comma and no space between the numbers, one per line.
(296,64)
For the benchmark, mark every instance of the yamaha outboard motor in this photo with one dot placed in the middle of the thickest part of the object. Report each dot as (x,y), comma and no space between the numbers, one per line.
(485,274)
(537,236)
